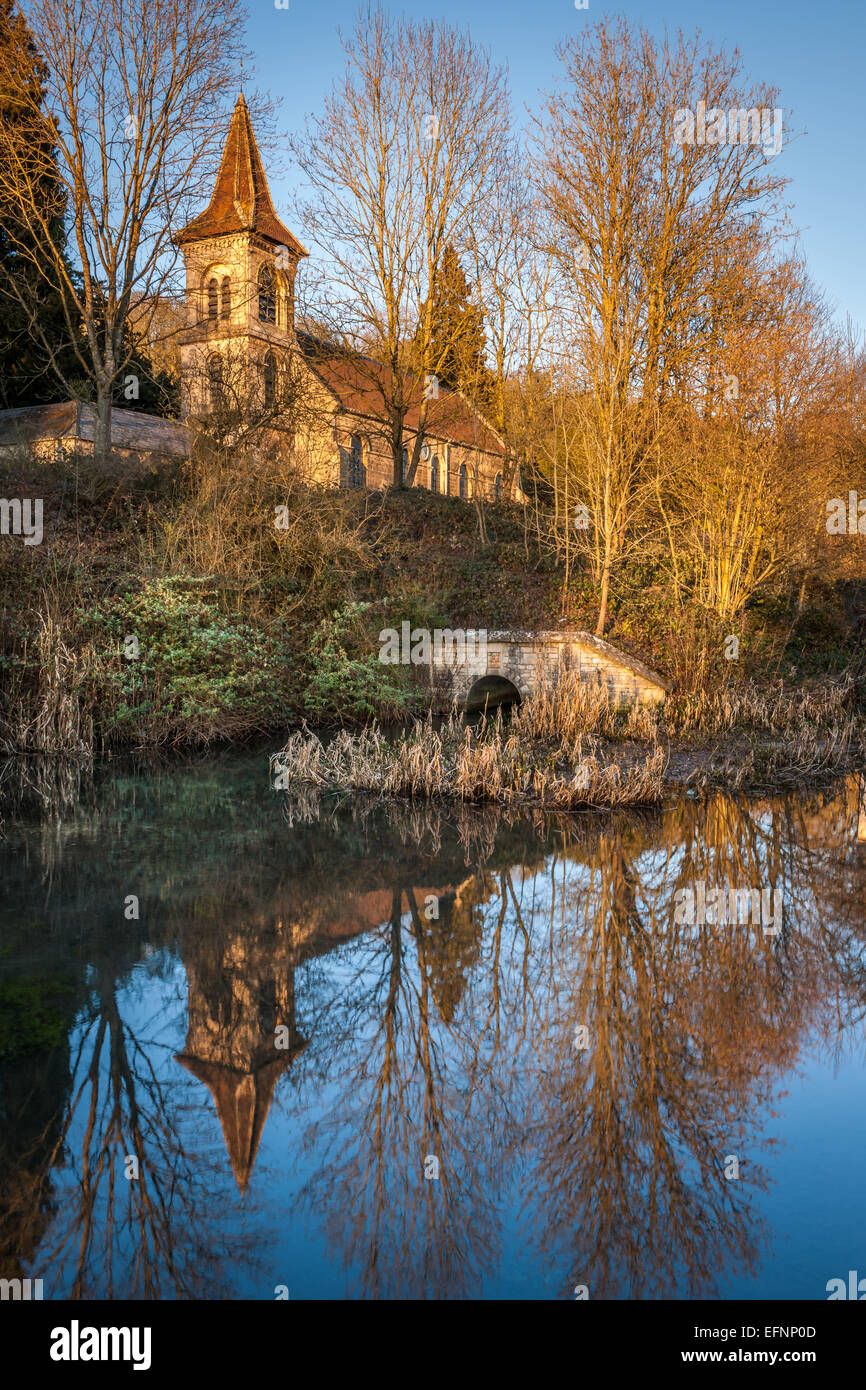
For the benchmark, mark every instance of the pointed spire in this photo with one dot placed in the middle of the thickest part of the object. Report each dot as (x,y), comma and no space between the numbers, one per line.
(241,200)
(242,1099)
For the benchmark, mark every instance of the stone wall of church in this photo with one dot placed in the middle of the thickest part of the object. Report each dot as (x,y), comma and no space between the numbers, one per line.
(440,471)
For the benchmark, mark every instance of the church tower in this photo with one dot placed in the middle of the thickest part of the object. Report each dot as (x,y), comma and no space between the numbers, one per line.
(240,262)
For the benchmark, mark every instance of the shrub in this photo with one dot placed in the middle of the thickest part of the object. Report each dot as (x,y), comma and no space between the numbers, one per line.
(346,678)
(199,673)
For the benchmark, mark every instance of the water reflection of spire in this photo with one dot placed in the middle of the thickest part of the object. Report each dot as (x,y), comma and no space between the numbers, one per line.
(241,990)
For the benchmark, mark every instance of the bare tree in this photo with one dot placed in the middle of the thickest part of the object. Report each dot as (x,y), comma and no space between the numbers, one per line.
(398,166)
(514,277)
(762,394)
(136,99)
(636,214)
(244,408)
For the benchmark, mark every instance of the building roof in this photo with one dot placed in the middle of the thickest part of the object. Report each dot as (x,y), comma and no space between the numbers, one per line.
(32,422)
(361,386)
(241,199)
(130,429)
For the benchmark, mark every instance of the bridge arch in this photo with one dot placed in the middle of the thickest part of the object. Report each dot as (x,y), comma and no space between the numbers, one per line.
(491,690)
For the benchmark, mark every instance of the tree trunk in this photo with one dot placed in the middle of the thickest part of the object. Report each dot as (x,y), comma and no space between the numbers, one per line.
(397,447)
(604,601)
(420,437)
(102,424)
(412,469)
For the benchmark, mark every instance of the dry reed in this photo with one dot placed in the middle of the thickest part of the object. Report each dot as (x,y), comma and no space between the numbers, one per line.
(53,717)
(551,754)
(487,762)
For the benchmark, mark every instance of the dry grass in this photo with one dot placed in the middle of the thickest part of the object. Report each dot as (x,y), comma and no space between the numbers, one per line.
(558,751)
(468,763)
(774,709)
(566,708)
(53,717)
(224,526)
(806,754)
(773,736)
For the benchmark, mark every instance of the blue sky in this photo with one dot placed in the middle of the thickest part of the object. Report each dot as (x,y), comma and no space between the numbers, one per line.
(813,51)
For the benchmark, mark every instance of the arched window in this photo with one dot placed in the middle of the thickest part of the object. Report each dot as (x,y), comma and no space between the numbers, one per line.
(356,462)
(404,465)
(269,375)
(497,487)
(434,474)
(212,306)
(215,380)
(464,481)
(267,295)
(226,298)
(446,487)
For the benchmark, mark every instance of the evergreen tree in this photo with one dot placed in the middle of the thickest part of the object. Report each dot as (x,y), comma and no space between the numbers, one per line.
(27,294)
(457,345)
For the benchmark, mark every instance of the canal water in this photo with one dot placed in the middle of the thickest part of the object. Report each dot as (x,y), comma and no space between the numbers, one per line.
(259,1044)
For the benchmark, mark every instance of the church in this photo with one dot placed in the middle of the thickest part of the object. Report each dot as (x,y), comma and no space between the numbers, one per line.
(241,262)
(240,348)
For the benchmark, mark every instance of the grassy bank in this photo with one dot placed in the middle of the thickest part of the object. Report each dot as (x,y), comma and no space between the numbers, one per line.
(166,606)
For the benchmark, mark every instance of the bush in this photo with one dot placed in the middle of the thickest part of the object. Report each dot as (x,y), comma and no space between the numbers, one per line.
(199,673)
(346,680)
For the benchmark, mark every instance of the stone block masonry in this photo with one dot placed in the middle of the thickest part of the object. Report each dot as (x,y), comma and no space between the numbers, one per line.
(523,658)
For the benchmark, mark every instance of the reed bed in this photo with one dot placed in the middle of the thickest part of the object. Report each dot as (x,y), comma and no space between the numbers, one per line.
(808,754)
(774,708)
(774,736)
(486,762)
(51,716)
(558,752)
(564,708)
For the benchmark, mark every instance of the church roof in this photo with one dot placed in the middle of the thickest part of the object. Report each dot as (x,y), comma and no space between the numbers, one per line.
(243,1100)
(363,386)
(241,199)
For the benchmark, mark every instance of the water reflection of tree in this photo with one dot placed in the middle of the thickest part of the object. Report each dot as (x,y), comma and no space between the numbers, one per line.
(455,1037)
(406,1235)
(32,1093)
(631,1137)
(119,1237)
(690,1028)
(622,1152)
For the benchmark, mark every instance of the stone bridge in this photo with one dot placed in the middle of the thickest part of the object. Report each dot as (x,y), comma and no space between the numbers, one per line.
(508,664)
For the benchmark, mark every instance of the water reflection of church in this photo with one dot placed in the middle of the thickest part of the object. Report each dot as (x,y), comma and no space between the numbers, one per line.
(241,990)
